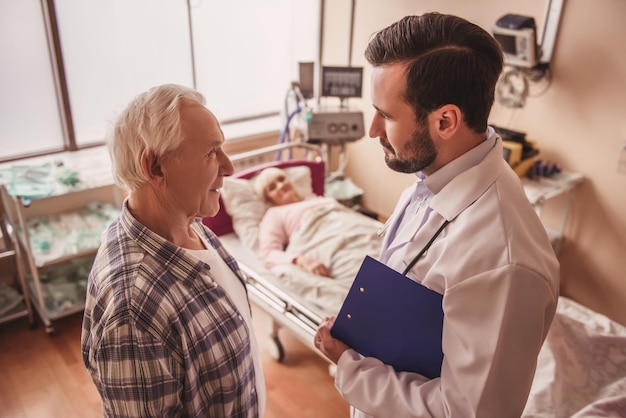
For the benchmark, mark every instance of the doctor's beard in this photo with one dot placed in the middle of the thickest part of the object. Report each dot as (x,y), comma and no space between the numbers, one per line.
(420,151)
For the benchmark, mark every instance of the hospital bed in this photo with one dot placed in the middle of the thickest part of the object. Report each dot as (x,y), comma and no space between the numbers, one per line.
(293,298)
(581,368)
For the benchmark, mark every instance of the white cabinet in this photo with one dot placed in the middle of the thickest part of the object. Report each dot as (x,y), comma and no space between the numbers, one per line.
(58,217)
(541,189)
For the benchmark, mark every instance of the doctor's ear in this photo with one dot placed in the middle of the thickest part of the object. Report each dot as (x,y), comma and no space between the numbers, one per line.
(448,120)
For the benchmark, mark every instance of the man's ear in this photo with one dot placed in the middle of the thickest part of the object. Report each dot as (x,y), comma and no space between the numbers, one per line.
(151,166)
(448,120)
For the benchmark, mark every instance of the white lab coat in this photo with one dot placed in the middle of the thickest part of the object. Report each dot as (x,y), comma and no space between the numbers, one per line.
(498,274)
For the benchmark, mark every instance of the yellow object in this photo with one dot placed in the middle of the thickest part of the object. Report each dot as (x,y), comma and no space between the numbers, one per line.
(512,152)
(523,166)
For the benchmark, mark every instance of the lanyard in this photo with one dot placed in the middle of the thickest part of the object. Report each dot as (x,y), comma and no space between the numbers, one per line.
(426,247)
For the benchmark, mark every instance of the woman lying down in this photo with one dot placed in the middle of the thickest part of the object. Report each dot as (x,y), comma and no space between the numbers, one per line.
(306,241)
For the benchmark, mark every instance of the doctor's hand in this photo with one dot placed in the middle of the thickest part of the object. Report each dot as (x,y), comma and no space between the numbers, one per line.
(312,265)
(329,346)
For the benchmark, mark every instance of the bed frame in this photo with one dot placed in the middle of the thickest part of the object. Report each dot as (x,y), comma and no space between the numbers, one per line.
(284,310)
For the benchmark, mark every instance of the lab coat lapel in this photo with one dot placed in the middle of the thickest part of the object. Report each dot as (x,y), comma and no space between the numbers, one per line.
(456,196)
(467,187)
(406,234)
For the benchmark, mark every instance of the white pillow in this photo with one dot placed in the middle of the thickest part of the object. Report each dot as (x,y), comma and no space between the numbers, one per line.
(247,208)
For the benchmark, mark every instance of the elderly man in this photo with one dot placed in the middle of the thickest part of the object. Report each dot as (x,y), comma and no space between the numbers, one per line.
(167,325)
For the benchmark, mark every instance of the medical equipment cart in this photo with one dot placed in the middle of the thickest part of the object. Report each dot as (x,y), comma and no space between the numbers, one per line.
(14,300)
(75,208)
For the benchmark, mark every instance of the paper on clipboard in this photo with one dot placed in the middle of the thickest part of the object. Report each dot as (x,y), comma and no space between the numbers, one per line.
(393,318)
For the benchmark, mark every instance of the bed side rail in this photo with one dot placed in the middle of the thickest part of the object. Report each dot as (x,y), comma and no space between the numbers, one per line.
(278,152)
(282,305)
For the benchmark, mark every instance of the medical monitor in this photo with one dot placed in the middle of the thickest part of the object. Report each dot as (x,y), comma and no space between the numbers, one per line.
(342,82)
(516,35)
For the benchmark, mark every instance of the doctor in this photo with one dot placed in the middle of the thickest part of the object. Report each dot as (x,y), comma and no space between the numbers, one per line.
(433,87)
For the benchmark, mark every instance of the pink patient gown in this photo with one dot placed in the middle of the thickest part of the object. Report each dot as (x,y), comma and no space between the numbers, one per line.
(277,225)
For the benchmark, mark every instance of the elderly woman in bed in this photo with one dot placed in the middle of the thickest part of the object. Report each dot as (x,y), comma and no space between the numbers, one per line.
(283,218)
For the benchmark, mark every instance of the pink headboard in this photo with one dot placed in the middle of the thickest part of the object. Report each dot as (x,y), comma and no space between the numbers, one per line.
(222,223)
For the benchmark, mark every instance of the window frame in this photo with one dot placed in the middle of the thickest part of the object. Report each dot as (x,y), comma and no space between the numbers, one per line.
(246,125)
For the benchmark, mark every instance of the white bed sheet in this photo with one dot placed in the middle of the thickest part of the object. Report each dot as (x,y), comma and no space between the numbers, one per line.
(337,236)
(250,262)
(582,366)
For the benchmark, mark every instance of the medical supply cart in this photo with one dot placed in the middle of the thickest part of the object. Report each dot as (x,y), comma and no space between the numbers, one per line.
(14,299)
(58,207)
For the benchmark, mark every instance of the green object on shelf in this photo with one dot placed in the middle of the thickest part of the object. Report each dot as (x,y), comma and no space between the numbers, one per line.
(28,181)
(68,177)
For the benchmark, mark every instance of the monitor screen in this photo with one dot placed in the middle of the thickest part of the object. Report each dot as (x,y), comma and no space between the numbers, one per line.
(342,82)
(507,42)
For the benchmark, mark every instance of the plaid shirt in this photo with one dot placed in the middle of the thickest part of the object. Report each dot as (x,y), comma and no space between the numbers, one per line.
(160,337)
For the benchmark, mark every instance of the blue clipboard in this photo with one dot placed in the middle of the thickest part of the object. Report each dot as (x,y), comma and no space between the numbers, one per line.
(390,317)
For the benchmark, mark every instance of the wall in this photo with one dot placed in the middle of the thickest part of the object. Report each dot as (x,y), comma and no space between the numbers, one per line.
(579,123)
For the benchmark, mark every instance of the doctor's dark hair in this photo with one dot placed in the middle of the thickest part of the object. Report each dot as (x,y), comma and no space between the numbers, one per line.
(450,61)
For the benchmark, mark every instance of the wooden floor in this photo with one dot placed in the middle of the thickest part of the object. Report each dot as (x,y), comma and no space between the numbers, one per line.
(43,376)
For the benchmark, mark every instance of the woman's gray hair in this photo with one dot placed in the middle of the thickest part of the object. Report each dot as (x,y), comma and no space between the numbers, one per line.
(150,123)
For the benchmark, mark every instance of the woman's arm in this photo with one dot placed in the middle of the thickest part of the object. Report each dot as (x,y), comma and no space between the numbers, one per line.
(274,236)
(275,230)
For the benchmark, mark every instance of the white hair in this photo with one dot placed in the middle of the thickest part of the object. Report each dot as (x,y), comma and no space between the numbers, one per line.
(150,123)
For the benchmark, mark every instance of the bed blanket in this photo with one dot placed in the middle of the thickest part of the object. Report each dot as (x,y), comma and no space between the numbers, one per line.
(582,366)
(340,238)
